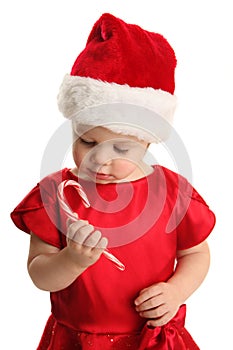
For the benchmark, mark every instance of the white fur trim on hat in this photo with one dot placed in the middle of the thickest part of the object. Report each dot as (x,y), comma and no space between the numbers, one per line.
(77,94)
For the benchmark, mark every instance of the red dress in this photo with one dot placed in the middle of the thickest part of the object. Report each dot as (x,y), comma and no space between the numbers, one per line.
(146,221)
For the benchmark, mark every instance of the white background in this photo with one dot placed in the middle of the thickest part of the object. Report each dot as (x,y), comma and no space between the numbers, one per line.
(39,43)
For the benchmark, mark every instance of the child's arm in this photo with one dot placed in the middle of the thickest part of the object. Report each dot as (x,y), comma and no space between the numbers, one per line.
(52,269)
(161,301)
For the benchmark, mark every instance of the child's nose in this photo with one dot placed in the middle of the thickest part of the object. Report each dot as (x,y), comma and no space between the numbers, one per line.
(101,155)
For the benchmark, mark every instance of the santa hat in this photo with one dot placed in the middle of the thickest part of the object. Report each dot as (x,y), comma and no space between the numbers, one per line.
(123,80)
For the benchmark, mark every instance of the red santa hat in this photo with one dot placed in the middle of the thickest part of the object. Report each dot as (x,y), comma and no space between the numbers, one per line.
(121,65)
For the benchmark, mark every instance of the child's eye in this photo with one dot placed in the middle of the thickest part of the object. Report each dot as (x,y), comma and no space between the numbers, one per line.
(120,150)
(87,143)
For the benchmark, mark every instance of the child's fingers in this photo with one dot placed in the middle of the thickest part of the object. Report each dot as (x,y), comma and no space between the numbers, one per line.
(159,322)
(151,303)
(148,293)
(93,239)
(74,227)
(70,221)
(103,243)
(82,234)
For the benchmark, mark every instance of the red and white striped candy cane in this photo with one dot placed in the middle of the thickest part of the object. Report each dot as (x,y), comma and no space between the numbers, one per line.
(74,216)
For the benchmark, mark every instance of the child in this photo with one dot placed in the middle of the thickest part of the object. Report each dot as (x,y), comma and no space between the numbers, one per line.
(119,97)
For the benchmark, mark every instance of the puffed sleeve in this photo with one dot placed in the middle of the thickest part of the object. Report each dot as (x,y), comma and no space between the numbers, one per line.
(196,221)
(38,213)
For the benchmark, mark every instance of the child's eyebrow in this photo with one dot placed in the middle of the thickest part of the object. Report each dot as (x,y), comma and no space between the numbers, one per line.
(124,142)
(128,145)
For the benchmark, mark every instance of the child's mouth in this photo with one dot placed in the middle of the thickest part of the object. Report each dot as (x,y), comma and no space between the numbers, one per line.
(100,176)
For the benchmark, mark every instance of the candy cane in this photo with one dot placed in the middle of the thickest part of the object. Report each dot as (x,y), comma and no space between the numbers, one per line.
(70,214)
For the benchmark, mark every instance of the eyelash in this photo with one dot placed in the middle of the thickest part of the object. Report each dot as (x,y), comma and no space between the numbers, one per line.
(88,143)
(118,150)
(93,143)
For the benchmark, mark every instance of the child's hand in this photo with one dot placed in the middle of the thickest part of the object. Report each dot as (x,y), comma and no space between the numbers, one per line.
(159,303)
(85,245)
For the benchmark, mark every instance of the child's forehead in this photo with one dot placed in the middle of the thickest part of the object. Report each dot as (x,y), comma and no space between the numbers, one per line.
(102,133)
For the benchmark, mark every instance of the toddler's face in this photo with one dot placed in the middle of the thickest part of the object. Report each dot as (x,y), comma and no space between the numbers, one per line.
(104,156)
